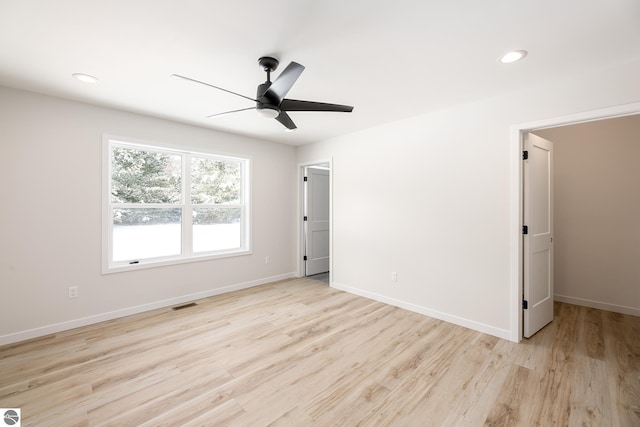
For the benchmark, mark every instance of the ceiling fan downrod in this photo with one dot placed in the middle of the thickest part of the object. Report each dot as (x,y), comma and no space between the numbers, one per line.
(268,64)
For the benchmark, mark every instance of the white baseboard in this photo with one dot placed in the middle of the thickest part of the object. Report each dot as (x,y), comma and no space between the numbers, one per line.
(599,305)
(460,321)
(90,320)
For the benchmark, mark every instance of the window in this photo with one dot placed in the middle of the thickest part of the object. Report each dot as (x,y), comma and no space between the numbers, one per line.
(164,205)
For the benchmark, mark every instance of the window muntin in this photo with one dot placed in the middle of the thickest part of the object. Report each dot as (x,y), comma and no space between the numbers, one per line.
(168,206)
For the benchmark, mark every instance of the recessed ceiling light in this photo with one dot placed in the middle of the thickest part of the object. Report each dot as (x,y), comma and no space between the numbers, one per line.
(85,78)
(513,56)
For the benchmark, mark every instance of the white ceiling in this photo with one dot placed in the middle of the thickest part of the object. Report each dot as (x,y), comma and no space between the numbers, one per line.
(389,59)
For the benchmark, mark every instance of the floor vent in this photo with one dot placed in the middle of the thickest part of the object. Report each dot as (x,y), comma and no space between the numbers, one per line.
(180,307)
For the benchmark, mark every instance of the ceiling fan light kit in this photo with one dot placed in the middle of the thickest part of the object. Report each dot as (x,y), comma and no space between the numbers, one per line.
(270,96)
(267,112)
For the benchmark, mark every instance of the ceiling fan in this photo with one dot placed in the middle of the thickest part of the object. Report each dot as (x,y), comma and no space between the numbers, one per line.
(270,97)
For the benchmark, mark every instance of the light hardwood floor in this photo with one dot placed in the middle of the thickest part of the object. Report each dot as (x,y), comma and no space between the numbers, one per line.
(298,353)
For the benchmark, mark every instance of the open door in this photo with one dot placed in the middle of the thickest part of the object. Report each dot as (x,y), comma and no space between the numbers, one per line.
(538,233)
(317,221)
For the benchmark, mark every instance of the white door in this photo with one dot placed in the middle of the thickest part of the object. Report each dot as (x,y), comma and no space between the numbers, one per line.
(538,240)
(317,221)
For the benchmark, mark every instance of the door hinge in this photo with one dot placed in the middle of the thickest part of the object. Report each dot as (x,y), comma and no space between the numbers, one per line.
(525,229)
(525,155)
(304,219)
(305,179)
(305,258)
(525,304)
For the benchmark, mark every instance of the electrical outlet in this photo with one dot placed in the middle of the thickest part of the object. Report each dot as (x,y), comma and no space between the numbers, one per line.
(267,260)
(394,276)
(73,292)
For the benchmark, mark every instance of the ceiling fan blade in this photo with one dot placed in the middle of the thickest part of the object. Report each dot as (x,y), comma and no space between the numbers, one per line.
(281,86)
(286,120)
(296,105)
(210,85)
(229,112)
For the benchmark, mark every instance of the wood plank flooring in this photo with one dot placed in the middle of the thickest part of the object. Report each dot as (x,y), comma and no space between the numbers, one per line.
(298,353)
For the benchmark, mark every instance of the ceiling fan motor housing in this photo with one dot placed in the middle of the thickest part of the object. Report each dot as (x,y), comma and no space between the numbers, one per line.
(263,101)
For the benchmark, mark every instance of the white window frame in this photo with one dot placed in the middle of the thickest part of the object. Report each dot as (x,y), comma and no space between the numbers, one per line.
(187,254)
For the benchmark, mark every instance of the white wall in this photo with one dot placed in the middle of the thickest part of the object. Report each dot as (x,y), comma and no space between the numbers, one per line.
(50,221)
(430,198)
(596,211)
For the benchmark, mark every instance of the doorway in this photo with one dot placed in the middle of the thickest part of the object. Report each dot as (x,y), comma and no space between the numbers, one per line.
(518,133)
(316,224)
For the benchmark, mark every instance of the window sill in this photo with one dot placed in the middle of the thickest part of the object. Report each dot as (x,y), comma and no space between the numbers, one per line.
(144,264)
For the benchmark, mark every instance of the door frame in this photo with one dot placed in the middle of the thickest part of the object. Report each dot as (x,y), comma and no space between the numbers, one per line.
(300,209)
(517,195)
